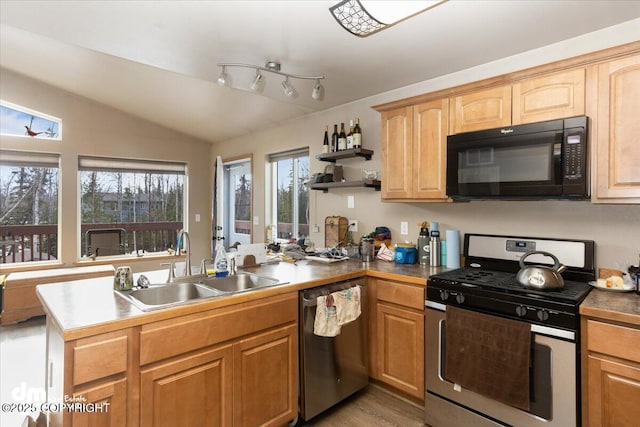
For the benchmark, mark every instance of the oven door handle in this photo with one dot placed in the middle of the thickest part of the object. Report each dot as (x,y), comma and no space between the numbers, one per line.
(538,329)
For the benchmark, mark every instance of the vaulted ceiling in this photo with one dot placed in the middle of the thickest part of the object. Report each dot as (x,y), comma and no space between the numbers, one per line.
(157,59)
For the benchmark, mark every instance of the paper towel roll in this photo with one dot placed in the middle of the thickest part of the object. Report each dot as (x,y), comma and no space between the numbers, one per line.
(453,248)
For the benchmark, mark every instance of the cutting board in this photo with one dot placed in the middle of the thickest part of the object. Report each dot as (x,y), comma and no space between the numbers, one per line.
(257,250)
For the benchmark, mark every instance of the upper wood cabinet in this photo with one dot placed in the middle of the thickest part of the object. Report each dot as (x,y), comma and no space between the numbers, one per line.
(414,151)
(615,131)
(485,109)
(549,97)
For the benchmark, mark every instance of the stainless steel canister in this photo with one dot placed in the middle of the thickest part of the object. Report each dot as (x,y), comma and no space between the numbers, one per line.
(367,249)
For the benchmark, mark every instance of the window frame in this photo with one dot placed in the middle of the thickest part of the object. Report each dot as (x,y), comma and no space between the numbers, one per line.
(39,159)
(272,189)
(128,165)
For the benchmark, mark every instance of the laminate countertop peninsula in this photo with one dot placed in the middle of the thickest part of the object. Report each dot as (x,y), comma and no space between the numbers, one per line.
(87,307)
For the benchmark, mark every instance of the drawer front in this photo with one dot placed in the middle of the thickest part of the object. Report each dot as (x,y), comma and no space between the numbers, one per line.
(619,341)
(99,357)
(402,294)
(192,332)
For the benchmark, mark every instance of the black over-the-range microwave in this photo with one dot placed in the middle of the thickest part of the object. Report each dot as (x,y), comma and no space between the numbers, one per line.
(545,160)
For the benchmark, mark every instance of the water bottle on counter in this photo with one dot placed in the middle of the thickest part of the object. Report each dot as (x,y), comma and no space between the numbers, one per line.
(423,244)
(434,249)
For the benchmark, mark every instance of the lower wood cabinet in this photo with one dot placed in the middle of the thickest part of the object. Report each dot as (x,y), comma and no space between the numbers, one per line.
(401,348)
(397,338)
(196,390)
(611,375)
(265,386)
(109,399)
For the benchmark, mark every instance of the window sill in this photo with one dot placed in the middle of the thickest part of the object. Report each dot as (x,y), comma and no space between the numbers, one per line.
(30,266)
(128,259)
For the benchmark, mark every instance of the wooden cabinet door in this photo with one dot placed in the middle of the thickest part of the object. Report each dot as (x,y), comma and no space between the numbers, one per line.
(400,338)
(397,163)
(550,97)
(195,390)
(613,393)
(485,109)
(430,126)
(265,378)
(109,402)
(615,132)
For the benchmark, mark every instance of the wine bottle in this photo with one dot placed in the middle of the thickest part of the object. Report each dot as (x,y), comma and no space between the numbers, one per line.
(334,139)
(350,136)
(357,135)
(325,143)
(342,138)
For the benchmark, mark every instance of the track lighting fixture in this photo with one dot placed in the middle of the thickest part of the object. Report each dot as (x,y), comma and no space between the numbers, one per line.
(273,67)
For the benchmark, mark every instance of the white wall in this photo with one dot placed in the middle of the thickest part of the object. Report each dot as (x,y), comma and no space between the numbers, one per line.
(616,229)
(90,128)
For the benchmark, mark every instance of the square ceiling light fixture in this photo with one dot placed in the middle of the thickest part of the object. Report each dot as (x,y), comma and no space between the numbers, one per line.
(363,18)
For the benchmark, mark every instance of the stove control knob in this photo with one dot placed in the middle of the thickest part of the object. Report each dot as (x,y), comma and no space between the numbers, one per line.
(460,298)
(542,315)
(521,311)
(444,295)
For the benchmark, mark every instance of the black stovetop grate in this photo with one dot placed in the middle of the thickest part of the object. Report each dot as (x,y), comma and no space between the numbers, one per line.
(506,282)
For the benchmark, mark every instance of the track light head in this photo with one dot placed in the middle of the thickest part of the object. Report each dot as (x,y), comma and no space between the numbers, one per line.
(316,93)
(257,81)
(222,78)
(287,88)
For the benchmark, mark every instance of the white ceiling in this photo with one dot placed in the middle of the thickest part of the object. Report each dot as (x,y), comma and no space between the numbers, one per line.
(157,59)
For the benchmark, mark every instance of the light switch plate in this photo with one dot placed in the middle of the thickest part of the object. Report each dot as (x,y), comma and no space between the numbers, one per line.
(197,217)
(256,220)
(351,202)
(404,228)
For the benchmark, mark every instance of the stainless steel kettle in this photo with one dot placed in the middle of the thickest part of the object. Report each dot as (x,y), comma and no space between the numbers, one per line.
(541,276)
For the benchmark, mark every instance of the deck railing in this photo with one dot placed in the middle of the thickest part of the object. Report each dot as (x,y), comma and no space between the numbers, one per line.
(26,243)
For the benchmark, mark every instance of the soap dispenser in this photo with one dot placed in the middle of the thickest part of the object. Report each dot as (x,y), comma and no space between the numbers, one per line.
(220,261)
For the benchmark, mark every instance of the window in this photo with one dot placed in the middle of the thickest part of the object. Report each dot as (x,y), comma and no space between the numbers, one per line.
(130,206)
(290,195)
(20,121)
(28,207)
(237,201)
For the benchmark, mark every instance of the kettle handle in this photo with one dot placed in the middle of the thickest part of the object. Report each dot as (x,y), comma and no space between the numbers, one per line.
(556,265)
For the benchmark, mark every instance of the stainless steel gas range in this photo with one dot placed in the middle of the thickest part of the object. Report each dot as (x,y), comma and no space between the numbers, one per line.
(497,353)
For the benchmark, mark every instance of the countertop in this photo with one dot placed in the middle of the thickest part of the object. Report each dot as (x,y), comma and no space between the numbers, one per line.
(613,306)
(87,307)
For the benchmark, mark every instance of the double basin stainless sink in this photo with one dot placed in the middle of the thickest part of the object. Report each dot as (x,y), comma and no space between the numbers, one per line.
(194,288)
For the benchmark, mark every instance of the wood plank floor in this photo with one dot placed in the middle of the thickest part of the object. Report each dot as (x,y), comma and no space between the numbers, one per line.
(22,374)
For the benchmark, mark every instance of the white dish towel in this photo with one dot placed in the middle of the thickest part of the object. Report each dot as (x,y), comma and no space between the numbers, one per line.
(347,302)
(326,322)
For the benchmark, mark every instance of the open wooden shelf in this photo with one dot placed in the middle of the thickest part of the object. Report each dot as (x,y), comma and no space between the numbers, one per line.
(325,186)
(345,154)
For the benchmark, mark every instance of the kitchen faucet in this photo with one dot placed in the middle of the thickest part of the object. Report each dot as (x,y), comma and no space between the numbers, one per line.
(184,237)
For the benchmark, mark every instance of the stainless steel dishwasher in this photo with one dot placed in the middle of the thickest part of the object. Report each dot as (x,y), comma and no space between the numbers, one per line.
(331,369)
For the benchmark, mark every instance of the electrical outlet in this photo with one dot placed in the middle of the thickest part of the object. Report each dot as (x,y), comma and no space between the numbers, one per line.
(353,225)
(404,228)
(315,228)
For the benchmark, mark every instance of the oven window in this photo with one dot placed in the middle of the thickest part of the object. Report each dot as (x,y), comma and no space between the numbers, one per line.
(540,375)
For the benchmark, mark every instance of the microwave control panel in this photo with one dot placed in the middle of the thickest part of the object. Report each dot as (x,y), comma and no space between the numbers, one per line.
(574,157)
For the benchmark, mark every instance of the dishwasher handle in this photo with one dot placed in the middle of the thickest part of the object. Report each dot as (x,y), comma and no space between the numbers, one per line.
(313,302)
